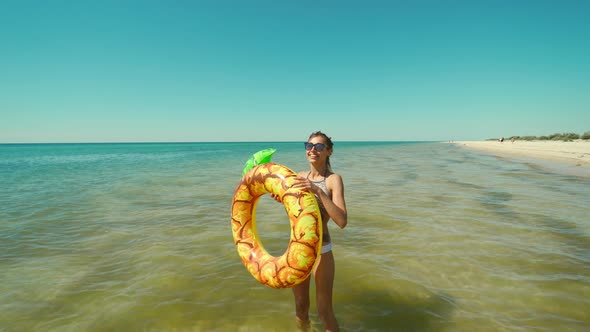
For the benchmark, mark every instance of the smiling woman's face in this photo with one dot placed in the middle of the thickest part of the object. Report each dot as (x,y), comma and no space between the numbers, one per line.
(314,154)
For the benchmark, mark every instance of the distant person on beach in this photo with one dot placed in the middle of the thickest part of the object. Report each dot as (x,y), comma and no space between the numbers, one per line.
(328,188)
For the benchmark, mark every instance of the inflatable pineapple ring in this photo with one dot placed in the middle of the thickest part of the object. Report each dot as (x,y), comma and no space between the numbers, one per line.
(295,265)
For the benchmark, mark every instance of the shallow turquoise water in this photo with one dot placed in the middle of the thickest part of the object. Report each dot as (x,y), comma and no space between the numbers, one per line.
(103,237)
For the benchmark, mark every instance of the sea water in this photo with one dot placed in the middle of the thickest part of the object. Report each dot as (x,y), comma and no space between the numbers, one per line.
(137,237)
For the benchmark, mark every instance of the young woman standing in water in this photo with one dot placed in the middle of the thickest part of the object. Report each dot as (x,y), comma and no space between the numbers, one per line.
(328,188)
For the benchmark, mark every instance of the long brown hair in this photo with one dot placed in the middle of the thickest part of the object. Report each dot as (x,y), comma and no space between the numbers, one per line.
(329,145)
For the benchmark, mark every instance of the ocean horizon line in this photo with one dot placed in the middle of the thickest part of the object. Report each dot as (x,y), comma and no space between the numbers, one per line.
(213,142)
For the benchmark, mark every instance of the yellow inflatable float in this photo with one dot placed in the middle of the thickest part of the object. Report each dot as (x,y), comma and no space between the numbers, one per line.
(298,261)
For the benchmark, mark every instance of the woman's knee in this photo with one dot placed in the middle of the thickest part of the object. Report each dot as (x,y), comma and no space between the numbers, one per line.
(302,301)
(301,306)
(301,295)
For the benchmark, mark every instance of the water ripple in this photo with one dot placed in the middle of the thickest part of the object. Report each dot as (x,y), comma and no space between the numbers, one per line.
(138,238)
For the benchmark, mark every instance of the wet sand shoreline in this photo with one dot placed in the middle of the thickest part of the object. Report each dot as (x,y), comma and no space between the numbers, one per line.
(564,157)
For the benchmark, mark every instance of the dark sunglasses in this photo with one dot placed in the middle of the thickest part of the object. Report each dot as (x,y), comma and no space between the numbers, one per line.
(318,146)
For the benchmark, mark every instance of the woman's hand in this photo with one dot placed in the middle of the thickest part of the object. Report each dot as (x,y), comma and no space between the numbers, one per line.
(304,183)
(301,183)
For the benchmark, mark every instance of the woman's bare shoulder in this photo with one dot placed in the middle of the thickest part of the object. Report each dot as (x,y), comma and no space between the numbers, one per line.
(334,178)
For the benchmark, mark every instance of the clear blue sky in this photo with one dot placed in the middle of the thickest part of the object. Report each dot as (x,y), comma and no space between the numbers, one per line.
(103,71)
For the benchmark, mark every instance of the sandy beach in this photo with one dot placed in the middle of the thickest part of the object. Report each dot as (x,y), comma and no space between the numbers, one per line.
(570,157)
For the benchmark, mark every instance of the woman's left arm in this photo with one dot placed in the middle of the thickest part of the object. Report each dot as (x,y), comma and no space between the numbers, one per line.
(336,206)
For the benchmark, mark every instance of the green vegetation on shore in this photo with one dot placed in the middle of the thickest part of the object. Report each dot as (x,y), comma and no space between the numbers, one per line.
(567,137)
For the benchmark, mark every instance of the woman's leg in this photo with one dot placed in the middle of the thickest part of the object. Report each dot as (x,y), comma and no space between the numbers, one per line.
(301,293)
(324,281)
